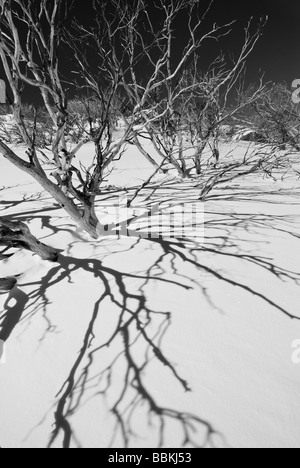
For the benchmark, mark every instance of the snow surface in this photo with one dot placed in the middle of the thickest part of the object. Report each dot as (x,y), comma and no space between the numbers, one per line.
(154,342)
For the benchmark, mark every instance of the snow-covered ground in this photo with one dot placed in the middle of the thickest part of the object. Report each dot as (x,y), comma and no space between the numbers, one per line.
(159,342)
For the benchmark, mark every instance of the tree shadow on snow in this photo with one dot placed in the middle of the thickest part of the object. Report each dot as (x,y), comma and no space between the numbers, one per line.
(138,330)
(136,341)
(14,308)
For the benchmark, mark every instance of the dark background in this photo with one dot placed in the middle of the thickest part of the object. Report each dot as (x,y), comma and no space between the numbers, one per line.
(277,54)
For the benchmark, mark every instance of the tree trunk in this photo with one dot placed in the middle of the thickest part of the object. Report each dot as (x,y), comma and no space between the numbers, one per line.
(199,153)
(75,212)
(198,164)
(198,157)
(170,158)
(147,155)
(216,151)
(181,153)
(90,221)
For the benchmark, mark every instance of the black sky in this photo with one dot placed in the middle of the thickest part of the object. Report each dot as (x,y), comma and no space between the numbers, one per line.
(278,52)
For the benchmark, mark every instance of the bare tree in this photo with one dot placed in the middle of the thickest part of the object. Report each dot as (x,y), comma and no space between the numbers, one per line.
(31,35)
(276,117)
(263,160)
(174,81)
(126,64)
(30,39)
(138,61)
(216,96)
(156,99)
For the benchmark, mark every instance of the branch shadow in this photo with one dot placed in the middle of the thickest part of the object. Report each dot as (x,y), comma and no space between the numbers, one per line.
(137,339)
(134,324)
(138,324)
(14,308)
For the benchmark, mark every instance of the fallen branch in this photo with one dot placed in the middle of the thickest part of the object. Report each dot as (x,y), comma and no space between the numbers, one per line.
(7,284)
(17,235)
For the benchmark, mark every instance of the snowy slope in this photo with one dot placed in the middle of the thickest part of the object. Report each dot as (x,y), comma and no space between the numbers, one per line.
(162,342)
